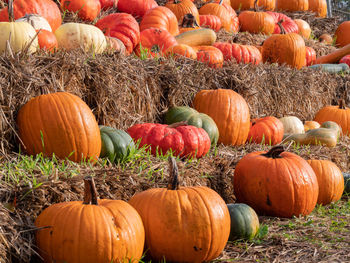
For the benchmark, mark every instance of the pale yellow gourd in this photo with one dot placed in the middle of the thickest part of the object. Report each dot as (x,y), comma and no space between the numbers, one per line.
(291,125)
(75,35)
(36,21)
(327,135)
(18,34)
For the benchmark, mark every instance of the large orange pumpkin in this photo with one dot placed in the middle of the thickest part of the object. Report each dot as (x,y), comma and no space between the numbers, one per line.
(339,114)
(230,112)
(183,224)
(293,5)
(162,18)
(268,5)
(276,183)
(256,22)
(61,124)
(94,230)
(342,34)
(330,181)
(181,8)
(86,9)
(319,7)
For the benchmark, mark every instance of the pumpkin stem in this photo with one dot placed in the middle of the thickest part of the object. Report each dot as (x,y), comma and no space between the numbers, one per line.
(10,11)
(173,183)
(189,21)
(256,8)
(220,3)
(279,23)
(90,193)
(177,124)
(274,152)
(342,104)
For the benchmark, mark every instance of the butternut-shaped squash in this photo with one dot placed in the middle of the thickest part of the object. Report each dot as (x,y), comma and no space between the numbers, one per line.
(197,37)
(327,135)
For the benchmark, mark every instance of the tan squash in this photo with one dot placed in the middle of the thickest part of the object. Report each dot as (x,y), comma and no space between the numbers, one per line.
(327,135)
(197,37)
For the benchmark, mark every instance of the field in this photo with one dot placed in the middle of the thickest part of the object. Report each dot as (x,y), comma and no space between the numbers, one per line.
(124,90)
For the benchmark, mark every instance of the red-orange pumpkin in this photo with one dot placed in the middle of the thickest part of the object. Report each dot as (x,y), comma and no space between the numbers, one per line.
(210,21)
(182,50)
(310,56)
(105,4)
(256,22)
(342,34)
(276,183)
(86,9)
(47,40)
(136,8)
(304,28)
(210,55)
(288,24)
(241,53)
(267,130)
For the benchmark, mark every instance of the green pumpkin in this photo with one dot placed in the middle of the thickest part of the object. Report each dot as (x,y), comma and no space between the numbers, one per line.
(116,144)
(346,183)
(194,118)
(244,221)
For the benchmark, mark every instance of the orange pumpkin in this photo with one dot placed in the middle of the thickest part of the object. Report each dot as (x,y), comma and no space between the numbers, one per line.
(256,22)
(61,124)
(310,125)
(330,181)
(210,55)
(90,231)
(210,21)
(242,4)
(326,39)
(47,40)
(183,224)
(182,7)
(293,5)
(162,18)
(268,5)
(339,114)
(86,9)
(182,50)
(319,7)
(342,34)
(268,130)
(304,28)
(230,112)
(276,183)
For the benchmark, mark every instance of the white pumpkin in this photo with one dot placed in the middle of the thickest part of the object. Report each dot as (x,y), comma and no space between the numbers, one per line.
(75,35)
(36,21)
(292,125)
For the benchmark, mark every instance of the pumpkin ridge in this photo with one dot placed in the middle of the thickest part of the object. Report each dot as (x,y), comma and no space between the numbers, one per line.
(29,127)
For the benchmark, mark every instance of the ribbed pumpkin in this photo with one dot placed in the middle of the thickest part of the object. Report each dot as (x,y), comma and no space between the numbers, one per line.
(293,5)
(94,230)
(86,9)
(230,112)
(46,8)
(116,144)
(181,50)
(285,49)
(183,224)
(18,34)
(345,59)
(193,117)
(268,5)
(136,8)
(330,181)
(342,34)
(66,128)
(304,28)
(36,21)
(339,114)
(241,53)
(155,42)
(162,18)
(114,45)
(309,125)
(106,4)
(234,27)
(276,183)
(122,26)
(181,8)
(183,140)
(47,40)
(256,22)
(346,183)
(210,55)
(210,21)
(319,7)
(76,35)
(267,130)
(244,221)
(288,24)
(310,56)
(242,4)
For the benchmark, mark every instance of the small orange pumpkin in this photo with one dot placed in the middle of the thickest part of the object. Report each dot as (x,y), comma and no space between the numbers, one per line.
(47,40)
(326,39)
(268,130)
(86,9)
(210,55)
(304,28)
(182,50)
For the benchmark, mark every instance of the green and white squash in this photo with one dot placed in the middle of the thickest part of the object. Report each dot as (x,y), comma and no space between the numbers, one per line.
(244,221)
(194,118)
(116,144)
(346,183)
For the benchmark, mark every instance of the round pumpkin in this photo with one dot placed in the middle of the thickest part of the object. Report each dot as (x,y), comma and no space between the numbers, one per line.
(346,183)
(182,7)
(309,125)
(268,5)
(267,130)
(304,28)
(123,27)
(76,35)
(183,224)
(326,39)
(116,144)
(339,114)
(18,34)
(276,183)
(230,112)
(47,40)
(319,7)
(292,125)
(181,50)
(106,4)
(86,9)
(342,34)
(94,230)
(210,21)
(242,4)
(345,59)
(241,53)
(210,55)
(136,8)
(36,21)
(310,56)
(182,139)
(330,181)
(256,22)
(244,221)
(114,45)
(293,5)
(288,24)
(61,124)
(162,18)
(194,118)
(45,8)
